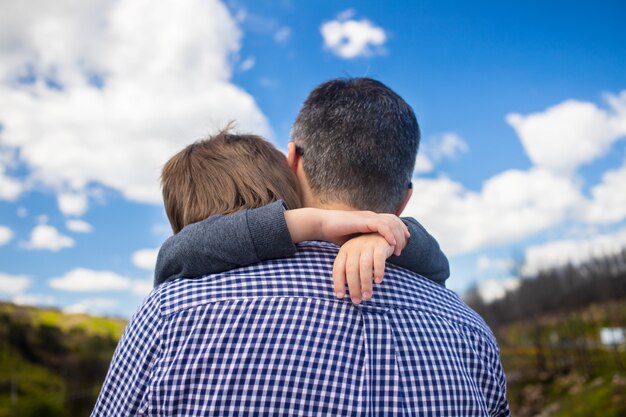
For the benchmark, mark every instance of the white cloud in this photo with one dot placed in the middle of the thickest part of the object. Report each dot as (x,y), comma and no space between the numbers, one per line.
(348,38)
(142,288)
(576,251)
(72,204)
(241,13)
(495,289)
(423,163)
(486,264)
(47,237)
(40,300)
(78,226)
(96,306)
(247,64)
(268,82)
(282,35)
(608,202)
(510,206)
(145,258)
(88,280)
(163,230)
(6,235)
(513,205)
(138,80)
(346,14)
(572,133)
(444,146)
(447,145)
(10,188)
(13,284)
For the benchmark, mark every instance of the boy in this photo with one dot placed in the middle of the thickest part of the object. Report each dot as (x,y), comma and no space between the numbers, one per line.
(236,183)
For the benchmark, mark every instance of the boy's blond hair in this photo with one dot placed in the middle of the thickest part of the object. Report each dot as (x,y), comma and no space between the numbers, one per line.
(224,174)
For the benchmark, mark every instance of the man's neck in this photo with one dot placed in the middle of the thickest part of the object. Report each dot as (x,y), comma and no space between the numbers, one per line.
(334,205)
(311,200)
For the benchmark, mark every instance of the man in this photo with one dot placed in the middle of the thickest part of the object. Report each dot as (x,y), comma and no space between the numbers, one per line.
(272,338)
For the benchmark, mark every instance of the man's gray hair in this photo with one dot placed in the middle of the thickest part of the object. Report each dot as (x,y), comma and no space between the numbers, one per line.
(359,141)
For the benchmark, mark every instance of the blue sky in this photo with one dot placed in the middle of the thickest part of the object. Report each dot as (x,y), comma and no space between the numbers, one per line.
(522,107)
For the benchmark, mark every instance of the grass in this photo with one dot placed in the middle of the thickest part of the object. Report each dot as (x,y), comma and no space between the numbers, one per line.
(556,365)
(52,363)
(29,389)
(603,396)
(91,325)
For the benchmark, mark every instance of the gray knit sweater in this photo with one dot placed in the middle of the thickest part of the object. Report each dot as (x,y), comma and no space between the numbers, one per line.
(220,243)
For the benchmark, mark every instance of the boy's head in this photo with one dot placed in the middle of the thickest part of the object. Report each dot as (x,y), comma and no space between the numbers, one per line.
(224,174)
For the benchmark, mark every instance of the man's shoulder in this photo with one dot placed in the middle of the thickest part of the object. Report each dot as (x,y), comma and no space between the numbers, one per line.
(402,288)
(300,275)
(308,274)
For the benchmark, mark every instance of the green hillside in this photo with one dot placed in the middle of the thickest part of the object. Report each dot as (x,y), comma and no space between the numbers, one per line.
(557,365)
(51,363)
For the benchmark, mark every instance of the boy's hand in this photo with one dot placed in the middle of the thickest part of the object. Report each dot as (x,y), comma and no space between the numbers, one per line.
(338,226)
(354,263)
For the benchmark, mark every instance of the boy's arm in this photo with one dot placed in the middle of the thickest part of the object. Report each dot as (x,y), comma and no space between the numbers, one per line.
(220,243)
(422,254)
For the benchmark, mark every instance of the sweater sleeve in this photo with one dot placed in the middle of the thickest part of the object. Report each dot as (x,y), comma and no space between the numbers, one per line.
(220,243)
(422,254)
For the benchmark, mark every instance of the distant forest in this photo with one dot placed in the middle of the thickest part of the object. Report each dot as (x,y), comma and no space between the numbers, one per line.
(557,290)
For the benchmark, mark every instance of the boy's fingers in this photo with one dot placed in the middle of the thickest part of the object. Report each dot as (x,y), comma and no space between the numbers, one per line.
(380,257)
(400,241)
(365,271)
(387,232)
(394,223)
(339,274)
(352,276)
(399,246)
(399,230)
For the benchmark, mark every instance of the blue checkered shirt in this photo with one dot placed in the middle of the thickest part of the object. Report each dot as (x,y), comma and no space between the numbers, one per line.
(272,339)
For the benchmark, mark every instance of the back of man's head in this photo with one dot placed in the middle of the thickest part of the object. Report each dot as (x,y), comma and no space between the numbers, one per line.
(359,141)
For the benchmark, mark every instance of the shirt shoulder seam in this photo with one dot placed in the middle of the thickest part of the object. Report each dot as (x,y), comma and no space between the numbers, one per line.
(174,312)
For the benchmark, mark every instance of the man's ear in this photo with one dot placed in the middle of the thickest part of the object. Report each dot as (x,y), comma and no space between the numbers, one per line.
(405,201)
(293,157)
